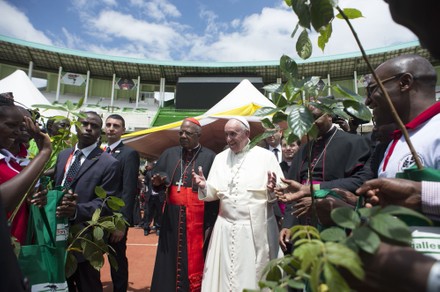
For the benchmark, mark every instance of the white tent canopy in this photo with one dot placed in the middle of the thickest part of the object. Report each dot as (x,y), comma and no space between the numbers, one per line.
(25,92)
(243,100)
(242,95)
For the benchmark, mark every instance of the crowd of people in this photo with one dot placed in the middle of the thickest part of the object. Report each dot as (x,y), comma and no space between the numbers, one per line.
(223,217)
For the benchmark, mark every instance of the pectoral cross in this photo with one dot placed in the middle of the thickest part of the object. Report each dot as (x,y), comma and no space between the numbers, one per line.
(179,184)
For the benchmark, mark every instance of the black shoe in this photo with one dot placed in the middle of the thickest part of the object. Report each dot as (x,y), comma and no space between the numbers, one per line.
(146,231)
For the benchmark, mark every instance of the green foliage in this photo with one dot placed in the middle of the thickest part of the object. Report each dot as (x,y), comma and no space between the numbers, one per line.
(319,258)
(318,14)
(294,98)
(91,239)
(304,46)
(346,217)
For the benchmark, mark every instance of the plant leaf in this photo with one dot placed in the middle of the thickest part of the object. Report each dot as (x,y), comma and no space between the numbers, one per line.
(96,215)
(333,234)
(324,35)
(273,87)
(321,12)
(274,274)
(300,120)
(80,103)
(334,280)
(279,117)
(345,217)
(265,111)
(302,10)
(351,13)
(340,255)
(115,203)
(368,212)
(48,106)
(315,274)
(346,94)
(288,66)
(71,264)
(279,100)
(292,35)
(391,227)
(98,233)
(359,110)
(304,46)
(100,192)
(399,210)
(307,253)
(69,105)
(108,225)
(96,260)
(366,239)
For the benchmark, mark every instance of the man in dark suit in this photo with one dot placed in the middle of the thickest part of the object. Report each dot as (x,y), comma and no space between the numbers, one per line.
(95,168)
(154,203)
(129,162)
(273,144)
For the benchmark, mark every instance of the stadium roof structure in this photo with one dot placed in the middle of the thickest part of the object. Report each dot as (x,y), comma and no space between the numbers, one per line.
(49,59)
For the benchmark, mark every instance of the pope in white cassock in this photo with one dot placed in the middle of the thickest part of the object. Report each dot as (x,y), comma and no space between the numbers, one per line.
(245,235)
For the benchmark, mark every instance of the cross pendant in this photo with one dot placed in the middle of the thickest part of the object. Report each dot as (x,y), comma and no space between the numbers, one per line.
(179,184)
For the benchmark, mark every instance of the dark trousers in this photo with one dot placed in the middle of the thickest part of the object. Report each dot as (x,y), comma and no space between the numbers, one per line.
(155,209)
(85,279)
(120,276)
(137,212)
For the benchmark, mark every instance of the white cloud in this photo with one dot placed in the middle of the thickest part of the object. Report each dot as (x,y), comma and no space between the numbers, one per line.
(263,36)
(157,30)
(158,10)
(375,30)
(72,40)
(157,38)
(15,23)
(266,35)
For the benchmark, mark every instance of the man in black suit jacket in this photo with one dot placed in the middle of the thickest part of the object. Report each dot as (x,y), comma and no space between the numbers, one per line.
(129,161)
(273,144)
(97,169)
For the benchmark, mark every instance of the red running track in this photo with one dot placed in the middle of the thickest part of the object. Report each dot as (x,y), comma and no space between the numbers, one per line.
(141,254)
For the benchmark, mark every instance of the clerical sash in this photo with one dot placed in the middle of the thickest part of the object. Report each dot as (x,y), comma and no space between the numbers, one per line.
(194,231)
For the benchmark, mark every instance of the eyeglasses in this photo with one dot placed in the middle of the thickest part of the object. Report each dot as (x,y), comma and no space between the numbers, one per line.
(371,88)
(186,133)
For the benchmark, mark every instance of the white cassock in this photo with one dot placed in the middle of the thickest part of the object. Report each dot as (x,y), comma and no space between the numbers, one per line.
(245,235)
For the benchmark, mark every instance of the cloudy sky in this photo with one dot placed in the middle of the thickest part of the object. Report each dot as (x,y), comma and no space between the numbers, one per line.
(188,30)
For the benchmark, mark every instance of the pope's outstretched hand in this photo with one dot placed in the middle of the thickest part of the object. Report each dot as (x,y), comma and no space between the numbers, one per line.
(199,179)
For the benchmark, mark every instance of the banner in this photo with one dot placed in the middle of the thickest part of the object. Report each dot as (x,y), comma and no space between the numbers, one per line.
(73,79)
(125,84)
